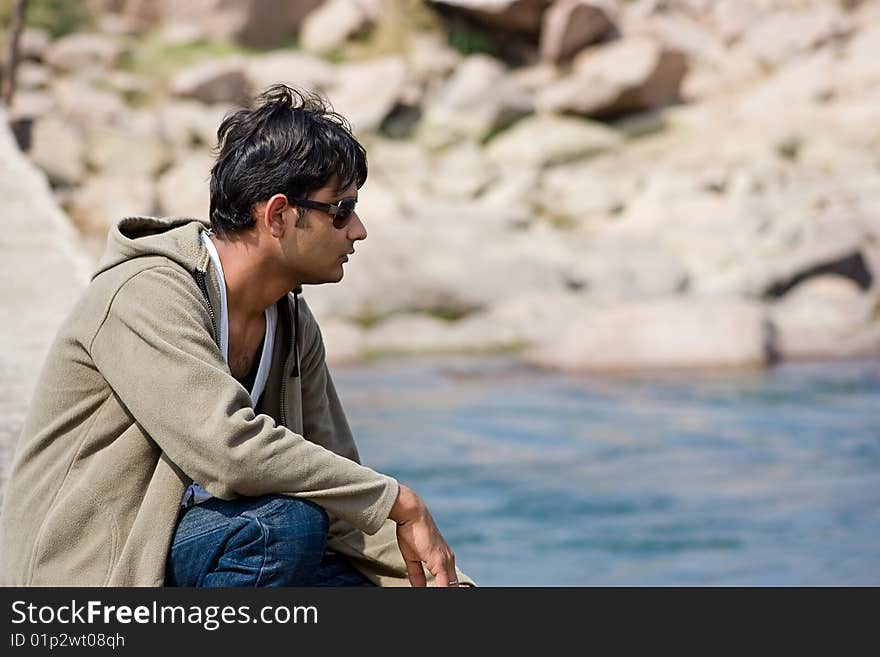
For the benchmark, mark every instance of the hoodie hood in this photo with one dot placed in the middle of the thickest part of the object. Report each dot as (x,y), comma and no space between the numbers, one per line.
(176,238)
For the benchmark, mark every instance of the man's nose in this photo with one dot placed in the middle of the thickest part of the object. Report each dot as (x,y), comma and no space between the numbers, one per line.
(356,228)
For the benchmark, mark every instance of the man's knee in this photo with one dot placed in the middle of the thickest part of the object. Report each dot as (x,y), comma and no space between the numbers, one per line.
(294,528)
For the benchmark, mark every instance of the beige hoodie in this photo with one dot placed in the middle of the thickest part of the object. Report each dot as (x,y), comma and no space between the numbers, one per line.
(135,401)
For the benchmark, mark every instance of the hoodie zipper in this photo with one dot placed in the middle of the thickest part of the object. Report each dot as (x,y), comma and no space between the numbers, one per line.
(200,279)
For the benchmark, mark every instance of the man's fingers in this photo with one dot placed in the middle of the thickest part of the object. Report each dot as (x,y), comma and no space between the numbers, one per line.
(416,573)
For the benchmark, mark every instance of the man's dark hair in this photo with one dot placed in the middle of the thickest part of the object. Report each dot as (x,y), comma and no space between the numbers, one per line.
(292,143)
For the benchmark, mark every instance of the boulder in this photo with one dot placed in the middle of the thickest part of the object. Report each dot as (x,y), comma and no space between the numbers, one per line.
(423,334)
(459,172)
(82,50)
(461,108)
(184,189)
(663,333)
(610,269)
(103,200)
(126,150)
(570,25)
(546,140)
(44,270)
(80,102)
(213,81)
(779,36)
(31,75)
(625,76)
(57,148)
(516,16)
(343,341)
(366,92)
(429,58)
(826,317)
(33,44)
(255,23)
(188,124)
(332,24)
(296,69)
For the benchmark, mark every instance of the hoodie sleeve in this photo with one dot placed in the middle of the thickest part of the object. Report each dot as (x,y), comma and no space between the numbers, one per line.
(156,350)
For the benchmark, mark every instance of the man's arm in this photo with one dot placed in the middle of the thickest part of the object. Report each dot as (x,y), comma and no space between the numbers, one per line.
(156,350)
(418,537)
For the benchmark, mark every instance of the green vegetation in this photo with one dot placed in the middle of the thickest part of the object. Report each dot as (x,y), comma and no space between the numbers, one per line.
(59,17)
(469,40)
(155,57)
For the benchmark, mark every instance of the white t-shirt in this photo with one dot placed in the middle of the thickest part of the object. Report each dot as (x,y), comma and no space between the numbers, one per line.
(195,493)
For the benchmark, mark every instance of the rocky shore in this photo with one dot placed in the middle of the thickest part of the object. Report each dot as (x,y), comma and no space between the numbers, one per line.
(592,184)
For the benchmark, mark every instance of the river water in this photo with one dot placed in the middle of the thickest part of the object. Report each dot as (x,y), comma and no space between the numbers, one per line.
(670,479)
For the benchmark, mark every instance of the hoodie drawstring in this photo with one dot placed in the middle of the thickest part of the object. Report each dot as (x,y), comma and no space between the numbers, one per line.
(295,372)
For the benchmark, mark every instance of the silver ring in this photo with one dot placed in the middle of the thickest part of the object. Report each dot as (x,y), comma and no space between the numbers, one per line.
(452,582)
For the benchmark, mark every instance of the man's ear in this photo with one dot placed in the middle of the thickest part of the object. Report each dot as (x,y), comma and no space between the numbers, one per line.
(273,217)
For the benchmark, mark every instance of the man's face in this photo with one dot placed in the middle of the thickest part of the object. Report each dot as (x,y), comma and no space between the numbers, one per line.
(321,249)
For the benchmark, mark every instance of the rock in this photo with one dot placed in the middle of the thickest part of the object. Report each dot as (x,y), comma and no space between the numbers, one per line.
(333,23)
(480,274)
(366,92)
(612,269)
(57,148)
(546,140)
(826,317)
(532,317)
(780,36)
(858,70)
(599,194)
(120,25)
(184,189)
(460,172)
(44,270)
(429,58)
(30,75)
(343,341)
(809,80)
(423,334)
(517,16)
(820,243)
(82,50)
(213,81)
(188,124)
(256,23)
(609,80)
(126,150)
(79,102)
(569,25)
(33,44)
(462,109)
(31,105)
(103,200)
(377,203)
(732,18)
(296,69)
(663,333)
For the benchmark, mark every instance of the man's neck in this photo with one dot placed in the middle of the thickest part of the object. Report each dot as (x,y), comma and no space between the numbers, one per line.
(250,285)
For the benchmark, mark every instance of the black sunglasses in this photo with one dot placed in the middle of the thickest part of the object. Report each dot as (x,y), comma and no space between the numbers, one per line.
(341,212)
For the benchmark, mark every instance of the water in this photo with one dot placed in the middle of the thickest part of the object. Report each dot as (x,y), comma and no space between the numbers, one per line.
(544,479)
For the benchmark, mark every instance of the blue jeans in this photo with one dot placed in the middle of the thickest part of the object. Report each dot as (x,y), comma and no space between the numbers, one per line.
(273,540)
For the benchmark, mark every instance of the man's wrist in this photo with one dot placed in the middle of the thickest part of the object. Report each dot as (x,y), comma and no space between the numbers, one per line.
(406,507)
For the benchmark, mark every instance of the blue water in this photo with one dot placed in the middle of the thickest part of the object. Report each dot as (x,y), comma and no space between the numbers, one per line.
(545,479)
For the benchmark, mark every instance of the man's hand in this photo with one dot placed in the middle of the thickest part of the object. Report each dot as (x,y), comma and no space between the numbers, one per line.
(420,541)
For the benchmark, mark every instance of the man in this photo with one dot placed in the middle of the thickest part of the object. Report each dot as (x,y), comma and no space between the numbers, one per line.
(185,429)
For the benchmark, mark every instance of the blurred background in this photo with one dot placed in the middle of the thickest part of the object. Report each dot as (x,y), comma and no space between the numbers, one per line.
(617,318)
